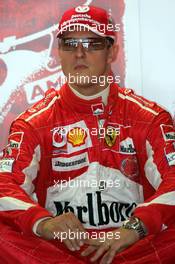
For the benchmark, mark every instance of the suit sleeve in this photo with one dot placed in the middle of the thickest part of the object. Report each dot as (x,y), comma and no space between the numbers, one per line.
(19,168)
(159,169)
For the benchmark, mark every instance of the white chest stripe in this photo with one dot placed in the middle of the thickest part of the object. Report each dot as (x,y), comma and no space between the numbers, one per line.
(9,203)
(166,198)
(44,109)
(30,172)
(138,103)
(151,171)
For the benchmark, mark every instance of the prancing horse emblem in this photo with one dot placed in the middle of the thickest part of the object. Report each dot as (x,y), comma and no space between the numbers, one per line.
(111,135)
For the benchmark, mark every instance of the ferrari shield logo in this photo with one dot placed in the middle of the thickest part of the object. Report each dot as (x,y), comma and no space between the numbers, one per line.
(111,135)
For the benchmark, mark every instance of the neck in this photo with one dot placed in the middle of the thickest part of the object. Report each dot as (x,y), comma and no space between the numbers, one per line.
(92,88)
(88,89)
(103,94)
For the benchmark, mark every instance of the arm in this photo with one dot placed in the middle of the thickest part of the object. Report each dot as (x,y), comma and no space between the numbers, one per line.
(18,168)
(159,209)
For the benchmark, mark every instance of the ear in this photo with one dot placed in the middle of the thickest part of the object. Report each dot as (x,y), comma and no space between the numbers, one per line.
(112,53)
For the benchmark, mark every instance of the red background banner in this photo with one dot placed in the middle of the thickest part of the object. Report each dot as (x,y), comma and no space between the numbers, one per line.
(29,64)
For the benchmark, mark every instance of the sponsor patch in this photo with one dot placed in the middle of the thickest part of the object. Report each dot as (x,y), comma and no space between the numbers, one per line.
(129,167)
(70,138)
(127,146)
(69,164)
(76,136)
(170,153)
(6,165)
(171,158)
(59,137)
(168,132)
(111,135)
(105,213)
(14,143)
(97,109)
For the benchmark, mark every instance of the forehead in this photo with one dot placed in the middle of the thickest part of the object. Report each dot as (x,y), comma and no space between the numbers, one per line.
(84,33)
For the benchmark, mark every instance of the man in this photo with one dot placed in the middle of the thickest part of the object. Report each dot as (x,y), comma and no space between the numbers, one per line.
(90,167)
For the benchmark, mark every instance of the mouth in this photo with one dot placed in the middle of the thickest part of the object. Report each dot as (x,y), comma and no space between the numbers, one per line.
(80,67)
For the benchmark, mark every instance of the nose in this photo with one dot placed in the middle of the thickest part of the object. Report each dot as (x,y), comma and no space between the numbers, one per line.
(80,51)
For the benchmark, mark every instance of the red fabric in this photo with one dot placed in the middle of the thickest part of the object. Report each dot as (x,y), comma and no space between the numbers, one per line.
(96,18)
(140,121)
(16,248)
(34,21)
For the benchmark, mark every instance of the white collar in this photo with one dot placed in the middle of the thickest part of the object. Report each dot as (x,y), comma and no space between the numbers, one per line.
(104,94)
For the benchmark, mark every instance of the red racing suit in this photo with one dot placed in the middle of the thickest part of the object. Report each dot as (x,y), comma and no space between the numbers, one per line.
(103,163)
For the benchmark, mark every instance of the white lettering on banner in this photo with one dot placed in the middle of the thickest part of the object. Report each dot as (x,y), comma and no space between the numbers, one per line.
(6,165)
(35,90)
(69,164)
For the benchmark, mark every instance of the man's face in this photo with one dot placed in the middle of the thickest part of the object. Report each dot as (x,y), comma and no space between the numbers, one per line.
(81,62)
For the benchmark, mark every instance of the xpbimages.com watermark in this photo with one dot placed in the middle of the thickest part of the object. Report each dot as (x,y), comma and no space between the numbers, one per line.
(101,132)
(86,79)
(101,184)
(101,235)
(100,27)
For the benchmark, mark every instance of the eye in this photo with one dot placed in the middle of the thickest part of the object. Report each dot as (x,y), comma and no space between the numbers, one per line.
(70,43)
(90,44)
(86,44)
(96,44)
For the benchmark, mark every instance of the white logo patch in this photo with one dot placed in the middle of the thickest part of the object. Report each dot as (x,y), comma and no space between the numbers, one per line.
(14,143)
(171,158)
(127,146)
(6,165)
(69,164)
(82,9)
(168,132)
(59,138)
